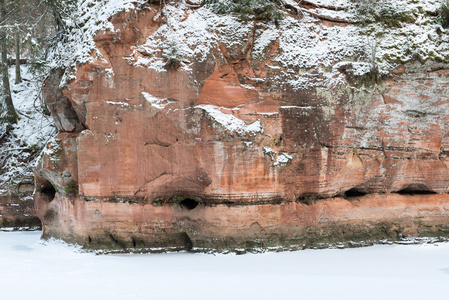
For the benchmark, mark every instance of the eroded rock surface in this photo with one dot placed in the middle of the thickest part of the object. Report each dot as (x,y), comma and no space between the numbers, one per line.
(215,150)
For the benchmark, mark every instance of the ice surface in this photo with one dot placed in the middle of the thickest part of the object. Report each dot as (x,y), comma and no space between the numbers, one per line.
(32,269)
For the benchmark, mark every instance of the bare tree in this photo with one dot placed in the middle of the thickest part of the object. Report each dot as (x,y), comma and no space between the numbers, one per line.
(26,27)
(11,114)
(18,75)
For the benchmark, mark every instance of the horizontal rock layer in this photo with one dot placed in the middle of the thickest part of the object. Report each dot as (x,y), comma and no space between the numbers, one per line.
(288,225)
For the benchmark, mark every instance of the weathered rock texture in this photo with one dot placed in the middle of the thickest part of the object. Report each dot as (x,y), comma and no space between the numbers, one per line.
(17,213)
(16,198)
(222,156)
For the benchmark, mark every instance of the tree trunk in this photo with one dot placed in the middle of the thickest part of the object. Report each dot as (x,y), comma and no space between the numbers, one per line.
(11,115)
(18,76)
(57,17)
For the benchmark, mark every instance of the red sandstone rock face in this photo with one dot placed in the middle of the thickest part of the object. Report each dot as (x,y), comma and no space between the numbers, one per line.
(145,141)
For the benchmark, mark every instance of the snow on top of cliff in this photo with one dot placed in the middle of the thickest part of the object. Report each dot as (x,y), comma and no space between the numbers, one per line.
(89,17)
(307,44)
(308,48)
(231,123)
(420,40)
(189,37)
(192,35)
(315,46)
(177,39)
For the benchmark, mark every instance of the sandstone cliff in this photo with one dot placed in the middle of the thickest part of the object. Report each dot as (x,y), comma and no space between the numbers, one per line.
(183,128)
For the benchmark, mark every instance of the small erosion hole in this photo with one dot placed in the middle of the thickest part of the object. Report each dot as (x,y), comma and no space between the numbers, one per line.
(188,245)
(354,193)
(189,203)
(48,191)
(308,199)
(416,189)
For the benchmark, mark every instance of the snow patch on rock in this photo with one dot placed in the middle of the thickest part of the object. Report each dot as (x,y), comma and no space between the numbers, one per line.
(281,158)
(231,123)
(159,103)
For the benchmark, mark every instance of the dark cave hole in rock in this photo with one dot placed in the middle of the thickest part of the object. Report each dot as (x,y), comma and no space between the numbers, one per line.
(189,203)
(89,239)
(416,189)
(354,193)
(134,242)
(186,241)
(308,199)
(48,191)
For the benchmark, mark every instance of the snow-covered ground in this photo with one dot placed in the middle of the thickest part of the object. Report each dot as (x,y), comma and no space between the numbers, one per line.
(33,130)
(33,269)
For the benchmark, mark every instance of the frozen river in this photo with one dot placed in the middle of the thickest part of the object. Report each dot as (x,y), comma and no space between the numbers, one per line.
(32,269)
